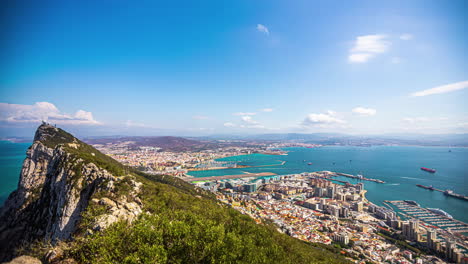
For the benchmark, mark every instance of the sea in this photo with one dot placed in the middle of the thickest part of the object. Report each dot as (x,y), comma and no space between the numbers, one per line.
(398,166)
(12,156)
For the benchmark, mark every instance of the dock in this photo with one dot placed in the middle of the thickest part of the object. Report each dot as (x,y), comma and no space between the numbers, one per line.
(446,193)
(358,178)
(430,218)
(225,177)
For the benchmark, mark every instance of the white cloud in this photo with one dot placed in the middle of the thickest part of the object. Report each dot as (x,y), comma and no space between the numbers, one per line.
(367,47)
(43,111)
(267,110)
(364,111)
(263,29)
(421,119)
(406,36)
(443,89)
(322,120)
(249,120)
(244,114)
(359,57)
(229,124)
(199,117)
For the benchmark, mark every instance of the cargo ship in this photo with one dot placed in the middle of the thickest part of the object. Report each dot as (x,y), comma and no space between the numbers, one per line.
(425,187)
(428,170)
(456,195)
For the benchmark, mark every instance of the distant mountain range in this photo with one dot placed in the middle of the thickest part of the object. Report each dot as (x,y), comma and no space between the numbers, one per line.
(455,140)
(215,141)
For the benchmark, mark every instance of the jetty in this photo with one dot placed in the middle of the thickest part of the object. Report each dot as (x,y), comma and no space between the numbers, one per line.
(225,177)
(358,177)
(447,192)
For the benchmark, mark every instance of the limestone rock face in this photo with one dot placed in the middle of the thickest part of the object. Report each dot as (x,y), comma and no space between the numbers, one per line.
(55,187)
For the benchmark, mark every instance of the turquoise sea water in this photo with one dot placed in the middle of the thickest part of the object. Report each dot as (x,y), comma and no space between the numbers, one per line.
(398,166)
(11,161)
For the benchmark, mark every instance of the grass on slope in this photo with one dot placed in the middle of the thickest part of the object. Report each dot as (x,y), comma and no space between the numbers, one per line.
(185,228)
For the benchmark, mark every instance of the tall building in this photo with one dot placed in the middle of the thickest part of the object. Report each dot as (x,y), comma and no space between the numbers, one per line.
(359,187)
(414,229)
(341,237)
(318,192)
(358,206)
(331,192)
(450,250)
(431,238)
(406,229)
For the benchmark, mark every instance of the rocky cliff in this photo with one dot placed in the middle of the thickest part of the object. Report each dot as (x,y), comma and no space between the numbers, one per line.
(59,177)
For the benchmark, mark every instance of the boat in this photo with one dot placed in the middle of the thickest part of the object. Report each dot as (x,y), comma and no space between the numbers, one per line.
(456,195)
(310,163)
(439,212)
(411,202)
(425,187)
(428,170)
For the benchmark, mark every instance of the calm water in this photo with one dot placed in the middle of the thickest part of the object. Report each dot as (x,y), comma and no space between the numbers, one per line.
(11,161)
(398,166)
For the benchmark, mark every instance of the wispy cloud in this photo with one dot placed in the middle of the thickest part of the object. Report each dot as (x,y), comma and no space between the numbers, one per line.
(229,124)
(442,89)
(267,110)
(249,120)
(263,29)
(43,111)
(406,36)
(368,46)
(364,111)
(244,114)
(322,119)
(130,123)
(199,117)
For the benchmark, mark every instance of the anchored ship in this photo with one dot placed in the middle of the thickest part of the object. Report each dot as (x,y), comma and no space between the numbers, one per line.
(428,170)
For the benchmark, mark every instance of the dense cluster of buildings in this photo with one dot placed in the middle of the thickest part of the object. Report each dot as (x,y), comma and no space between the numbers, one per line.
(310,207)
(156,161)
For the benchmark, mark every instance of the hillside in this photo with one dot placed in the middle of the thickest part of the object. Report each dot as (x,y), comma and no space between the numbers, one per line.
(75,205)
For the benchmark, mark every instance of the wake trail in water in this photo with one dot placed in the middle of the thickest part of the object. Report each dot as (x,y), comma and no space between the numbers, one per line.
(410,178)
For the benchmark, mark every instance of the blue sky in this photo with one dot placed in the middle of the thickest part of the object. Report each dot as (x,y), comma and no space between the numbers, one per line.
(234,67)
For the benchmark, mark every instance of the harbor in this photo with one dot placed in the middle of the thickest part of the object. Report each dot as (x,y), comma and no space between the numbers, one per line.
(225,177)
(449,193)
(359,177)
(430,217)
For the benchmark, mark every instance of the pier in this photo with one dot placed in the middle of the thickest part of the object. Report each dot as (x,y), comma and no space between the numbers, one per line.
(447,192)
(358,178)
(225,177)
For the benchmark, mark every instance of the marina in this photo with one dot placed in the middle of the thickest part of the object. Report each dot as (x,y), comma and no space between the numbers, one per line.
(431,217)
(225,177)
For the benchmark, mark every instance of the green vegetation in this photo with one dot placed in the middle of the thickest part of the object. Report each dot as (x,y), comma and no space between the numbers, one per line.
(55,137)
(181,224)
(401,243)
(183,228)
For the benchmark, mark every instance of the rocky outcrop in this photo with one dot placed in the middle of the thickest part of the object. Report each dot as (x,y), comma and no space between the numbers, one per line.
(55,187)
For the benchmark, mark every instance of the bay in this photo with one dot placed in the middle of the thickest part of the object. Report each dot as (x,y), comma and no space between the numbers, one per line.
(12,156)
(398,166)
